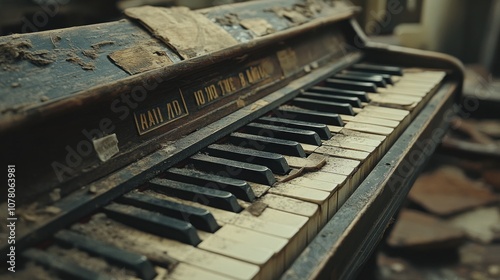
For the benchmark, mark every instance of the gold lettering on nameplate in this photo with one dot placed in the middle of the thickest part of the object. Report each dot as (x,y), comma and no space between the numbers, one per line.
(168,111)
(228,85)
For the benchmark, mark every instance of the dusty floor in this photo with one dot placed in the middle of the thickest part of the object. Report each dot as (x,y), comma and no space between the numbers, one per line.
(450,225)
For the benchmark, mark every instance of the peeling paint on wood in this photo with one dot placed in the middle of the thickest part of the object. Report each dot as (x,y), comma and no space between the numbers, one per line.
(190,33)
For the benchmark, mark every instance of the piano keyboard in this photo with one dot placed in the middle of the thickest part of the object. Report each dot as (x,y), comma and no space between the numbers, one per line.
(246,206)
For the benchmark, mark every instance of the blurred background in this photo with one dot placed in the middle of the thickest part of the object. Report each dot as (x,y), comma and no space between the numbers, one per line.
(450,226)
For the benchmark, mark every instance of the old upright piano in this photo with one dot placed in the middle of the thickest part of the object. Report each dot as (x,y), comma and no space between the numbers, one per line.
(261,140)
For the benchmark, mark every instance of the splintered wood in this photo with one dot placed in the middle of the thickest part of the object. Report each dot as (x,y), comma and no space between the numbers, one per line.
(258,26)
(190,33)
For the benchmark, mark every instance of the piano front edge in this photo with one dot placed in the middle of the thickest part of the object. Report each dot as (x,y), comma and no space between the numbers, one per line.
(346,242)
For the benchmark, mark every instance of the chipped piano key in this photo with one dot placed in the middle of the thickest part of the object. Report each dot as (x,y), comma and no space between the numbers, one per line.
(157,248)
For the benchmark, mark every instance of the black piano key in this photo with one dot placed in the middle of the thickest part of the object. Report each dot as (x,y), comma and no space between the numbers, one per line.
(268,144)
(372,68)
(321,129)
(377,80)
(341,92)
(311,116)
(239,188)
(216,198)
(275,162)
(153,222)
(387,78)
(199,218)
(281,132)
(323,106)
(351,85)
(62,267)
(236,169)
(353,101)
(121,258)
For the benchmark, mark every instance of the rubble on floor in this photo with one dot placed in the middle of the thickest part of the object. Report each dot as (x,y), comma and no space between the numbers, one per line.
(482,224)
(448,191)
(450,227)
(418,231)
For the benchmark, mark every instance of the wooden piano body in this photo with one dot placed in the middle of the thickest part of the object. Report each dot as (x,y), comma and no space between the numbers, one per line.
(91,113)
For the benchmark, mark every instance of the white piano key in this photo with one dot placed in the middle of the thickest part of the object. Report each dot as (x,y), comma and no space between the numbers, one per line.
(368,114)
(341,139)
(392,111)
(257,240)
(329,182)
(258,189)
(348,132)
(347,168)
(409,92)
(342,153)
(307,182)
(188,272)
(346,144)
(295,206)
(397,99)
(243,252)
(375,120)
(369,128)
(308,148)
(321,198)
(332,178)
(156,248)
(252,225)
(298,222)
(309,163)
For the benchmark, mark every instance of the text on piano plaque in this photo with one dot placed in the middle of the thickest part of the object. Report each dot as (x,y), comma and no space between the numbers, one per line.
(166,112)
(212,91)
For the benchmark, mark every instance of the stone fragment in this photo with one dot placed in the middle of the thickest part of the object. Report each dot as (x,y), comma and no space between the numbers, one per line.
(492,178)
(418,231)
(473,254)
(448,191)
(480,224)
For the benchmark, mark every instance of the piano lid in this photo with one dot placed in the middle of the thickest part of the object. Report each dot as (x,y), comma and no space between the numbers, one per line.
(99,97)
(40,69)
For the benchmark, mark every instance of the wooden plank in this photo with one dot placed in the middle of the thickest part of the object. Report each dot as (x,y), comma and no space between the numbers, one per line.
(190,33)
(76,60)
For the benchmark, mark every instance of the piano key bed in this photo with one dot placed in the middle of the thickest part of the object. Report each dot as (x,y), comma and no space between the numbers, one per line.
(246,206)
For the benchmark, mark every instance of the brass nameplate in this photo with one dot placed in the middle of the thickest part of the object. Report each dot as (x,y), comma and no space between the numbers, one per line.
(172,108)
(258,72)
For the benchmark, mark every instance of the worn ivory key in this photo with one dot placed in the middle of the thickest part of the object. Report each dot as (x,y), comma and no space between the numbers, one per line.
(189,272)
(345,167)
(295,206)
(321,198)
(252,225)
(297,243)
(370,119)
(262,257)
(156,248)
(327,186)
